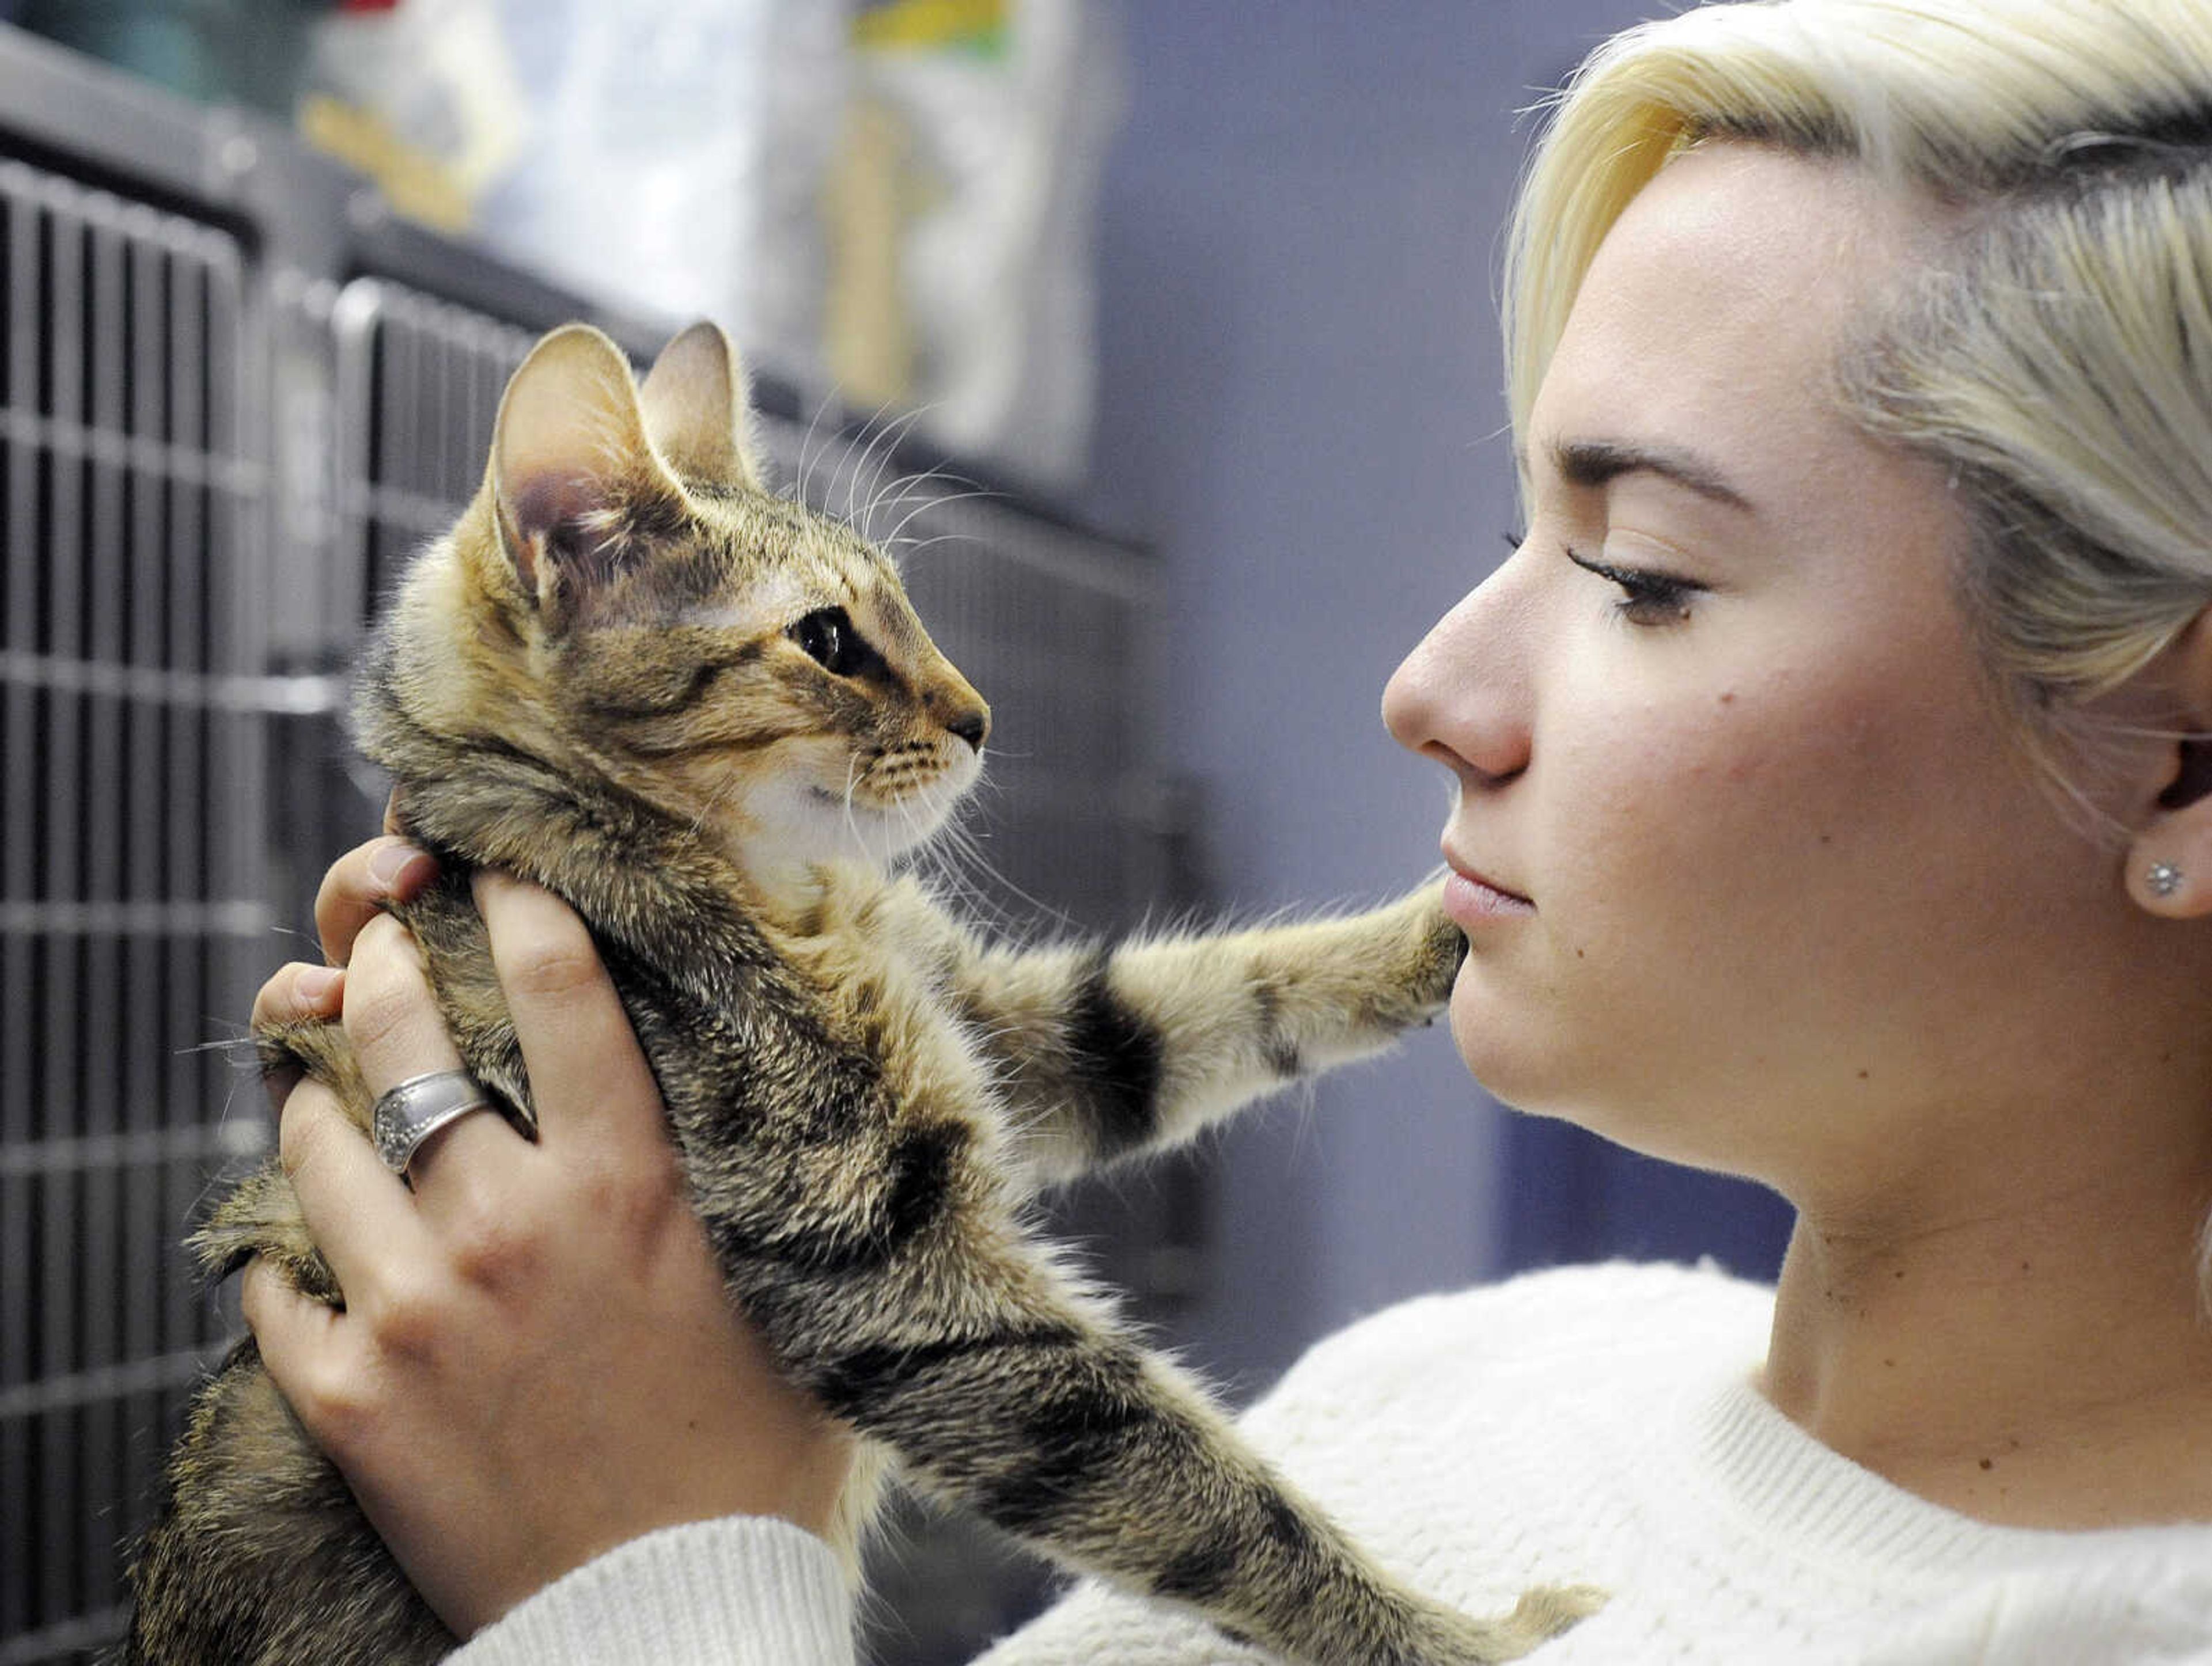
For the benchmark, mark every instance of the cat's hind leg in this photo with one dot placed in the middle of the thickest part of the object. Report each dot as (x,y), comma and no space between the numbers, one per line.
(1005,1388)
(260,1556)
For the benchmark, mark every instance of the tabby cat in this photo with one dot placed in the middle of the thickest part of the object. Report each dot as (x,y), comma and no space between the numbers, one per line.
(709,717)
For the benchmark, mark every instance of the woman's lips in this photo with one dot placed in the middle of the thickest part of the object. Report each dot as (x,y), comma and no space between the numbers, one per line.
(1471,899)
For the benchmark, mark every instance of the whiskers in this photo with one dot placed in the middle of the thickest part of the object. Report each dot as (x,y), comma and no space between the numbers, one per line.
(851,822)
(911,496)
(956,864)
(714,801)
(238,1136)
(863,490)
(860,483)
(859,455)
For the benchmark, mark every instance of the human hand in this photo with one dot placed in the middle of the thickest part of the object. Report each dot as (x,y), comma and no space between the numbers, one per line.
(537,1360)
(353,892)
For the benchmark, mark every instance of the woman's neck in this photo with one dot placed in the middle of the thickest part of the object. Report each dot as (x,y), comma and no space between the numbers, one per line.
(2046,1365)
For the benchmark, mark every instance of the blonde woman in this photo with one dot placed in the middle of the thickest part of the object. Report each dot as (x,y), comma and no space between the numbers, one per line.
(1831,810)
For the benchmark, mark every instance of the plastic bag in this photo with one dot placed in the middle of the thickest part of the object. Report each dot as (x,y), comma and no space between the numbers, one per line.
(962,214)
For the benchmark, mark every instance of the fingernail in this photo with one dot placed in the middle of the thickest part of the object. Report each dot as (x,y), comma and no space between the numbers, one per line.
(393,860)
(315,983)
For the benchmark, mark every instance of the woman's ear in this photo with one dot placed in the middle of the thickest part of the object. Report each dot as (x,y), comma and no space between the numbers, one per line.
(2169,857)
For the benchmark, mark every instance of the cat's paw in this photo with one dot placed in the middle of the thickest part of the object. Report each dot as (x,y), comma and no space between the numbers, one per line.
(1541,1615)
(260,1217)
(1431,948)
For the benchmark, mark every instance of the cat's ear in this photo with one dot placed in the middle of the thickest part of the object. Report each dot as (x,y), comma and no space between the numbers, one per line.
(696,407)
(573,476)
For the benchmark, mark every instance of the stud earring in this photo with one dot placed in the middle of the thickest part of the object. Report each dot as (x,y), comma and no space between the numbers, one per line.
(2163,879)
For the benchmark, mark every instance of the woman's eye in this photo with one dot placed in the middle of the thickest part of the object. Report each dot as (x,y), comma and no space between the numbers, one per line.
(827,636)
(1647,597)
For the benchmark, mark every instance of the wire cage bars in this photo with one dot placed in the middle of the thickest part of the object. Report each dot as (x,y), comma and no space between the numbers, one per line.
(133,905)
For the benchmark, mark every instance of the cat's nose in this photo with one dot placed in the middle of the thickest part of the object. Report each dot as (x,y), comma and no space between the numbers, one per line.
(972,726)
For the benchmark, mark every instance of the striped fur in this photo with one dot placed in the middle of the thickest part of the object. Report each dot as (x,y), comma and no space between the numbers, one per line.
(709,720)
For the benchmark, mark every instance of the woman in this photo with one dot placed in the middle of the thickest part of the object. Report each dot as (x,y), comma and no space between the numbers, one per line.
(1829,811)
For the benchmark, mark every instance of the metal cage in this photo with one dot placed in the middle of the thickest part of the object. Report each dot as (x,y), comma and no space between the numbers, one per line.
(237,395)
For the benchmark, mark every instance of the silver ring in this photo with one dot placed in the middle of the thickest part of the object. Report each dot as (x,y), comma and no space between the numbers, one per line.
(417,1108)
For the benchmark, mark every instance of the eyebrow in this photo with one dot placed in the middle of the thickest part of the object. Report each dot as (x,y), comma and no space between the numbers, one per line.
(1593,463)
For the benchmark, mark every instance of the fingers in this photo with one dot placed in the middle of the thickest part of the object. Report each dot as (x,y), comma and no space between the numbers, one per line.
(317,1358)
(291,1329)
(359,884)
(589,1075)
(397,1033)
(356,1211)
(352,893)
(298,993)
(293,1342)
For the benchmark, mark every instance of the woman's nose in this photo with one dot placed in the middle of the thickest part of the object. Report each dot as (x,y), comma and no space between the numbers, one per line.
(1461,696)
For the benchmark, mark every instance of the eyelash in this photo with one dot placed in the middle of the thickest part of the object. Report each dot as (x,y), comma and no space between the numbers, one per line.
(1647,598)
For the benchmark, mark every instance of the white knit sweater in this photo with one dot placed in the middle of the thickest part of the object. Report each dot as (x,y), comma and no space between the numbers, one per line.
(1593,1425)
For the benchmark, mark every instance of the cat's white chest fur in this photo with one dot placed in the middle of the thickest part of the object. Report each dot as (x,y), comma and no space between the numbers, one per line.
(884,958)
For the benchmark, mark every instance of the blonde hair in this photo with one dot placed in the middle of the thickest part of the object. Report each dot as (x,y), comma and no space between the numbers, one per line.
(2056,358)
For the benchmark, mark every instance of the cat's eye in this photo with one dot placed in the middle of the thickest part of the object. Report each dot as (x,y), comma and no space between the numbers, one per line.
(827,636)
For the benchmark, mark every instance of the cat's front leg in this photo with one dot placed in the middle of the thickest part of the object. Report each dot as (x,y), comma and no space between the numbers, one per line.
(1103,1053)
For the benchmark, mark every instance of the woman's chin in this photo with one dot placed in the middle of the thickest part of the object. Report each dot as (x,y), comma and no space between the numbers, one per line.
(1493,1047)
(1520,1061)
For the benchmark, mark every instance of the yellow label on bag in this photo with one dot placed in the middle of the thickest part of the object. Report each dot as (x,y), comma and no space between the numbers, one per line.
(968,25)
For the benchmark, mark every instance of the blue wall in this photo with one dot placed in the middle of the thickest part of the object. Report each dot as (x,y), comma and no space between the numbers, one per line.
(1300,409)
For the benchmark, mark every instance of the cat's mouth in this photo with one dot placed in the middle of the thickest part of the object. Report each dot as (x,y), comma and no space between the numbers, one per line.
(881,812)
(931,798)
